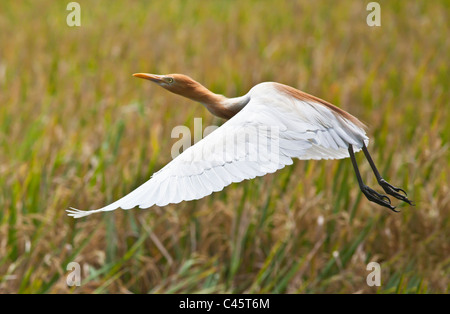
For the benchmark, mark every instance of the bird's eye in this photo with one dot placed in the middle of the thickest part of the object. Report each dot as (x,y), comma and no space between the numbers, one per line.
(169,80)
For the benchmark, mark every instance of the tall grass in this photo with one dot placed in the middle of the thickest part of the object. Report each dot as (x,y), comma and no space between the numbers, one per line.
(77,130)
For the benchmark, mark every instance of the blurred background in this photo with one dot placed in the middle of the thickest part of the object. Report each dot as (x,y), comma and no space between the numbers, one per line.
(76,129)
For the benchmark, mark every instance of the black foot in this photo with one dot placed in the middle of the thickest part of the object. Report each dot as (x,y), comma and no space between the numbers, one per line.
(378,198)
(394,191)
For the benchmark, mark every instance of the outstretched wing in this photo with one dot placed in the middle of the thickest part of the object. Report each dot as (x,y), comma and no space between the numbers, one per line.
(264,136)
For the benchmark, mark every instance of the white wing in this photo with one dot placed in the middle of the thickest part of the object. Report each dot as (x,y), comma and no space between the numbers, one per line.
(263,137)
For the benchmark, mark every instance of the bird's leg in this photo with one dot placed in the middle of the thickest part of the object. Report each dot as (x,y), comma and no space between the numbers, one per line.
(388,188)
(371,194)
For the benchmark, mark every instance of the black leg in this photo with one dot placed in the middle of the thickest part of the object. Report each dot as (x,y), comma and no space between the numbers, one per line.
(371,194)
(388,188)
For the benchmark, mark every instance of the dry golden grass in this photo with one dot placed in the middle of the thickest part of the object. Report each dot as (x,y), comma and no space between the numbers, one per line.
(76,129)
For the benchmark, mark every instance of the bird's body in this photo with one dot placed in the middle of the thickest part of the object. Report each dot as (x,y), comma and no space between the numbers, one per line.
(268,127)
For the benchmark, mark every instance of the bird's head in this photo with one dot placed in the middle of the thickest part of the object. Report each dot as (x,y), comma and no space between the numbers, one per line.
(176,83)
(185,86)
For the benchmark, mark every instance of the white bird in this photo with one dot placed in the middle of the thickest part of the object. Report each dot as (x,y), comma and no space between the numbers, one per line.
(267,127)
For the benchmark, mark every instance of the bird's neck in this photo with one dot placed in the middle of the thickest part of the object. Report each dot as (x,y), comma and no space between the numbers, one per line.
(225,107)
(219,105)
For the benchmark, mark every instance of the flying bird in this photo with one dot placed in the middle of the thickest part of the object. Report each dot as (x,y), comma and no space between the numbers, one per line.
(266,128)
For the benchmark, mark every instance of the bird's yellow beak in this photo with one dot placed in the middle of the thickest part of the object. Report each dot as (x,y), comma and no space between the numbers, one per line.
(152,77)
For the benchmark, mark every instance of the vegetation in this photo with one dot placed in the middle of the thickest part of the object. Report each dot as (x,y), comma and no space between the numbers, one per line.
(76,129)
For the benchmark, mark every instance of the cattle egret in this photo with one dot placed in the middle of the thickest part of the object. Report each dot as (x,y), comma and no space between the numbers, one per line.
(266,128)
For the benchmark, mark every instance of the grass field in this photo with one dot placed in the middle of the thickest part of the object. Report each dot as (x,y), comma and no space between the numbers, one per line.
(76,129)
